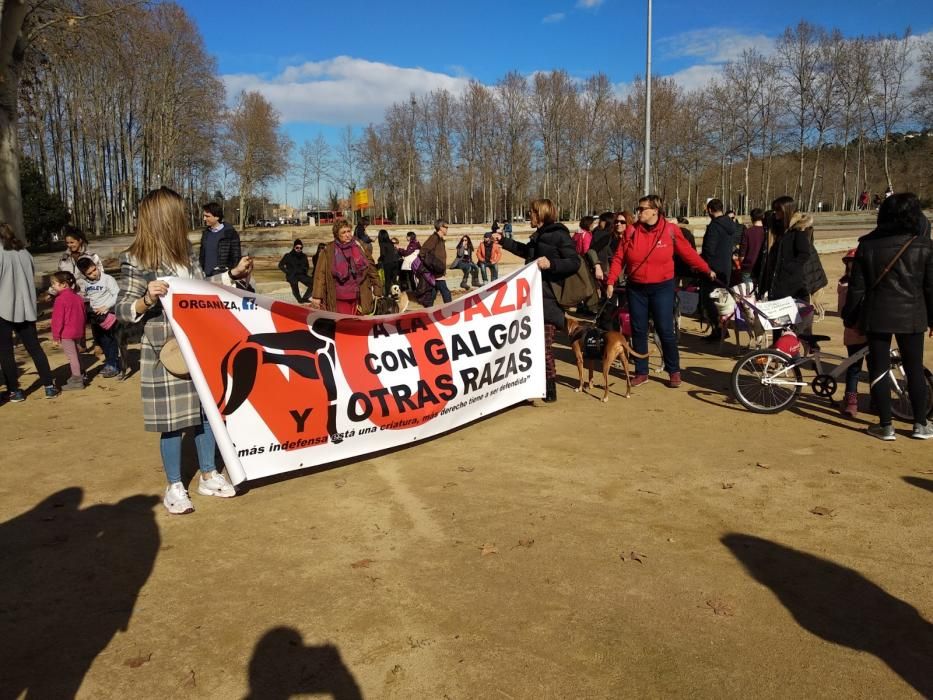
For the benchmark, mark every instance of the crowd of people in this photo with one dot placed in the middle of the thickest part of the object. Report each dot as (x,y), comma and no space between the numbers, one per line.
(642,257)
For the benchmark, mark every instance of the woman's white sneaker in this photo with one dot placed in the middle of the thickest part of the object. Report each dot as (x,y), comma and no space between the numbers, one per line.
(215,484)
(176,500)
(922,431)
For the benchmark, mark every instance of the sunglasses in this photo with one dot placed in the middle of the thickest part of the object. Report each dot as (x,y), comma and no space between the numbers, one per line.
(298,247)
(641,209)
(620,221)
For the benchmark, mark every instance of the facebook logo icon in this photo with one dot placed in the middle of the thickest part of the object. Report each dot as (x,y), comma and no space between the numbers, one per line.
(249,303)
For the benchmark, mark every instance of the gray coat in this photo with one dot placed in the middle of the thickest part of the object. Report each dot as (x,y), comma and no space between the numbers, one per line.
(17,286)
(169,403)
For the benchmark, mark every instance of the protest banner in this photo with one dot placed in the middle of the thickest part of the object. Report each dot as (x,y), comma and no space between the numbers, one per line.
(287,388)
(778,313)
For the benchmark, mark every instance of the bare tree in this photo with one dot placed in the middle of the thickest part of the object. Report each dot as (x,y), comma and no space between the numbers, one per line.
(798,57)
(888,99)
(255,149)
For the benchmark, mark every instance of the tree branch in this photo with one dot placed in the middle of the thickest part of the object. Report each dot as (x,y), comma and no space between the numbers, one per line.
(73,19)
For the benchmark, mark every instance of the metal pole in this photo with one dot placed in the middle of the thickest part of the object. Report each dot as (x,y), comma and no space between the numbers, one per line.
(647,186)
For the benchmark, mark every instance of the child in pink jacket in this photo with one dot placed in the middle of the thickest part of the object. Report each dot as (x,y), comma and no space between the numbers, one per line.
(68,320)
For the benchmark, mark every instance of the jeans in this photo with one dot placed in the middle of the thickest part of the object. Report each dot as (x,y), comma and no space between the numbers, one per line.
(26,331)
(658,300)
(493,270)
(110,346)
(469,270)
(170,447)
(854,370)
(440,286)
(879,361)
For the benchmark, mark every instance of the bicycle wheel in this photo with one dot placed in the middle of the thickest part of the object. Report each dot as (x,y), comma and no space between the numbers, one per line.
(766,381)
(901,408)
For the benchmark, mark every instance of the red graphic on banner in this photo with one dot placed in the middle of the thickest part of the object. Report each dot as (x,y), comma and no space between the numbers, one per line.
(388,404)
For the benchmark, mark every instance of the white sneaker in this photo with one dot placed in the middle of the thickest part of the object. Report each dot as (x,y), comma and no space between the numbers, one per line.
(176,500)
(215,484)
(922,431)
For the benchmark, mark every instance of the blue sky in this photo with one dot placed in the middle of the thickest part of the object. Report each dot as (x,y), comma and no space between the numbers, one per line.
(327,64)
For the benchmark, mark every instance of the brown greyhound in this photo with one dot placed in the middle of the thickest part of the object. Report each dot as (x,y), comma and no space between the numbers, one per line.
(616,346)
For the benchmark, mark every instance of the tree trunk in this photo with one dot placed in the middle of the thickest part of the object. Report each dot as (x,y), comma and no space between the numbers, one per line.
(12,15)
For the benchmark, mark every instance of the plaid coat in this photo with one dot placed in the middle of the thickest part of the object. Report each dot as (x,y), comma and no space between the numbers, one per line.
(169,403)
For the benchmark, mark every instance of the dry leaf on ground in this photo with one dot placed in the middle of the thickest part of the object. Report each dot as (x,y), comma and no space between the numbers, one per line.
(137,661)
(727,484)
(821,510)
(525,543)
(361,564)
(489,549)
(721,607)
(465,469)
(762,465)
(633,556)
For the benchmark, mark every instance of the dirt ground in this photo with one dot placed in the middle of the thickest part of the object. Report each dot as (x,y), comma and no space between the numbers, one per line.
(671,544)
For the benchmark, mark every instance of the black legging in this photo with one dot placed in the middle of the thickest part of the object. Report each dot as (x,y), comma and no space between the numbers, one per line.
(879,361)
(390,272)
(27,334)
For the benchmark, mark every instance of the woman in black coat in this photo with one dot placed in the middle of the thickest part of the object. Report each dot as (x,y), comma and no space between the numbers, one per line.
(784,266)
(551,247)
(389,261)
(886,299)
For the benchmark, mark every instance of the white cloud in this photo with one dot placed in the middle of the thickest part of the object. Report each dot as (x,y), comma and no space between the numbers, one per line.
(589,4)
(713,45)
(342,90)
(553,18)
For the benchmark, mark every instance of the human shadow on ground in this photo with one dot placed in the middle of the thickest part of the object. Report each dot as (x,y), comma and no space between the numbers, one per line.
(282,666)
(69,581)
(919,483)
(841,606)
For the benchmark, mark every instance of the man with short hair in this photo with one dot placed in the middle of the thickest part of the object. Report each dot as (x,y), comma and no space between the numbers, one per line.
(434,257)
(220,243)
(718,244)
(295,266)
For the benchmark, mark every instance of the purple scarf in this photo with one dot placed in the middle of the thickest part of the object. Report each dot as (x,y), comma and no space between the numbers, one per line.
(349,269)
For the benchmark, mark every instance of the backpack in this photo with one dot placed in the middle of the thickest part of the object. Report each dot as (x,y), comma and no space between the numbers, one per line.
(814,276)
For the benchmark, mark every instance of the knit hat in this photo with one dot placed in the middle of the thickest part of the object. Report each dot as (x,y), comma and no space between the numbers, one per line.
(298,242)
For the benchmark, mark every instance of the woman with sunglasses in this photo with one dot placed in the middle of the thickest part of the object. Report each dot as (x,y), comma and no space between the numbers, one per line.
(647,256)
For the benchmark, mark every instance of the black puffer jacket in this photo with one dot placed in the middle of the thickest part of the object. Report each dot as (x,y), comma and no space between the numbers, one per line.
(784,266)
(293,264)
(903,300)
(551,241)
(228,250)
(721,237)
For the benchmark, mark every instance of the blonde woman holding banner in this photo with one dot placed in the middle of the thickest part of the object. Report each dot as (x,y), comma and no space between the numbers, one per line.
(170,402)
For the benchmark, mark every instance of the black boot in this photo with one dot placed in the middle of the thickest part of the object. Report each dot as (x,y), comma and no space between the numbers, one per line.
(550,393)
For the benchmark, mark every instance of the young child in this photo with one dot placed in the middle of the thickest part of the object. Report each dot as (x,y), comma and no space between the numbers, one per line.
(854,341)
(101,290)
(68,321)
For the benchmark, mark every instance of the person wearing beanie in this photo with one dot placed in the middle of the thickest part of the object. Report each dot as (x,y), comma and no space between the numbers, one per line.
(295,266)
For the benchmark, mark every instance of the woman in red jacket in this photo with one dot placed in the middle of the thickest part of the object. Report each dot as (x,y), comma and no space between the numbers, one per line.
(647,255)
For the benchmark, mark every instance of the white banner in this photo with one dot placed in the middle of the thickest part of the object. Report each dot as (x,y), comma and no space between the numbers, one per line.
(288,388)
(778,313)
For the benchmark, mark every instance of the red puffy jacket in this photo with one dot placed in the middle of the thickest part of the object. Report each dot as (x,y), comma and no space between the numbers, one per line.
(649,255)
